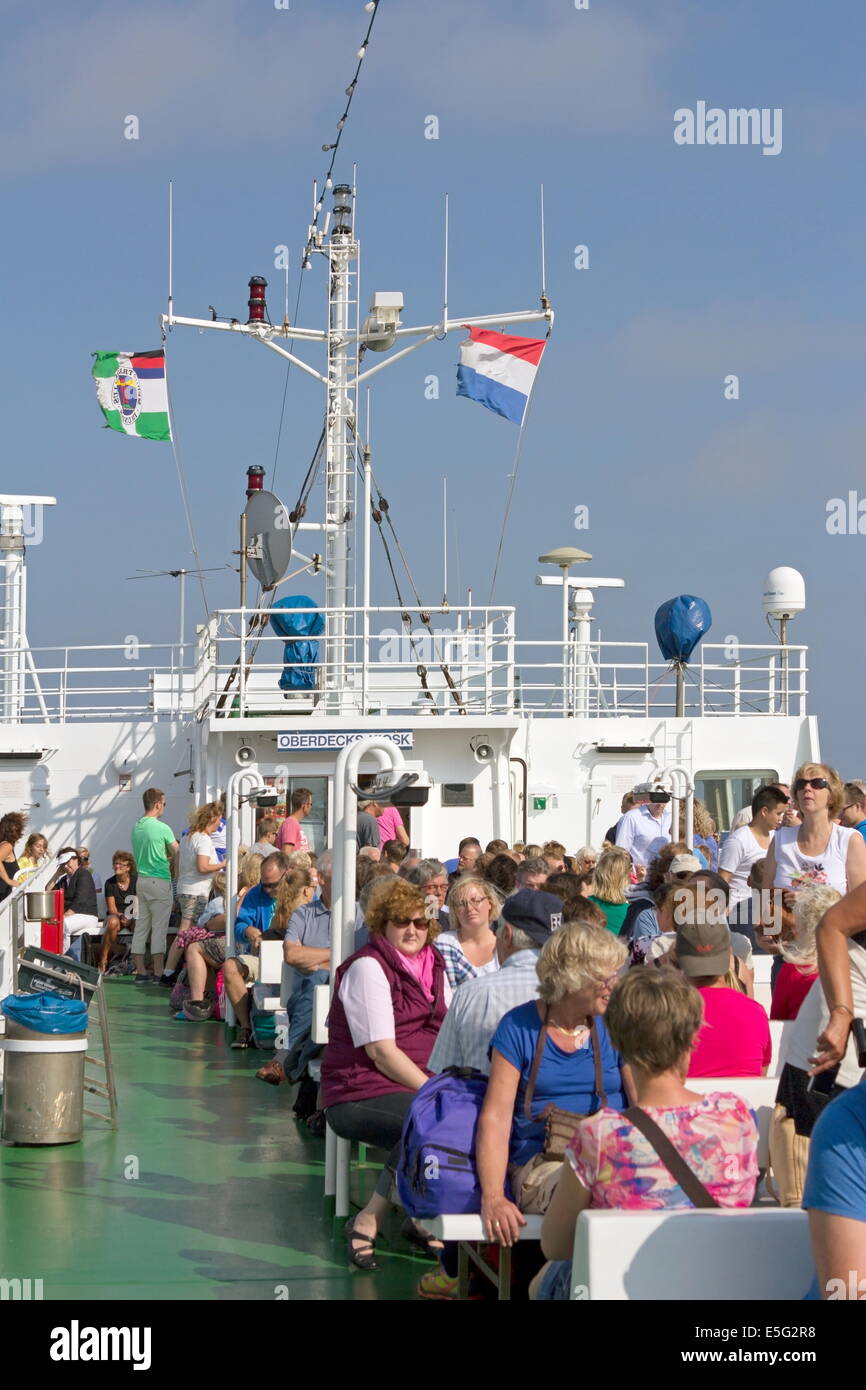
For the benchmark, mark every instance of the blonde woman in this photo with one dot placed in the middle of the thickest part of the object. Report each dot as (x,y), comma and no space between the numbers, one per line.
(800,968)
(294,891)
(818,850)
(552,1053)
(198,863)
(654,1018)
(250,875)
(611,881)
(470,950)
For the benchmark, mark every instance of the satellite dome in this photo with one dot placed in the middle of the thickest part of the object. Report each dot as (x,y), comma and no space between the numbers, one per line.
(784,593)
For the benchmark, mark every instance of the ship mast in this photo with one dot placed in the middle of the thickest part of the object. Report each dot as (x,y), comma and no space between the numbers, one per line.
(345,341)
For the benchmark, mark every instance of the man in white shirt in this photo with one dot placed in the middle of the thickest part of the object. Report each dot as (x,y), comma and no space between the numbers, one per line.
(745,846)
(646,828)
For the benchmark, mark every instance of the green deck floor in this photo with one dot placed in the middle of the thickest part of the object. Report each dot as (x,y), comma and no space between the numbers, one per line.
(228,1201)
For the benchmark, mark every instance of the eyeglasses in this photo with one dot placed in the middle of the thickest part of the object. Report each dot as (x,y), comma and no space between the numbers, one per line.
(818,784)
(418,922)
(272,887)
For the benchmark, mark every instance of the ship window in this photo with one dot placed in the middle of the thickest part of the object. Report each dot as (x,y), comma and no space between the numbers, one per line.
(726,793)
(458,794)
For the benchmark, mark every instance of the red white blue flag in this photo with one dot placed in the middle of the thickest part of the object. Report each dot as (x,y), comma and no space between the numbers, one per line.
(498,370)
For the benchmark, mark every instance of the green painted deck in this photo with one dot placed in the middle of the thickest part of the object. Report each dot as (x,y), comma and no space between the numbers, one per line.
(228,1201)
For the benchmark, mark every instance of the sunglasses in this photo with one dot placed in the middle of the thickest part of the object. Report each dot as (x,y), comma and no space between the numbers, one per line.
(818,784)
(272,887)
(418,922)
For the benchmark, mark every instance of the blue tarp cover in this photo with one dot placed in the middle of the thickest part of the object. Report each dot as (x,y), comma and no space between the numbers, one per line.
(680,625)
(46,1013)
(300,656)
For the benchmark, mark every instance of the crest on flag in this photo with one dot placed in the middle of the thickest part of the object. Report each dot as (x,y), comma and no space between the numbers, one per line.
(132,393)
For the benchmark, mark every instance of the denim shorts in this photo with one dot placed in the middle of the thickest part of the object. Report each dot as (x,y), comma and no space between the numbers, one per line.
(191,906)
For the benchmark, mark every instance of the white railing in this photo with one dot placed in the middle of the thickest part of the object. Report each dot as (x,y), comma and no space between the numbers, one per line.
(459,662)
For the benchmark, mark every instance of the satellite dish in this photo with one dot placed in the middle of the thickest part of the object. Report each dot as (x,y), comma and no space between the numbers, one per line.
(269,538)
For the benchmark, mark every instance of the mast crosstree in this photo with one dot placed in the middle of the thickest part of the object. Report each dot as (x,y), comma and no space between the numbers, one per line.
(345,341)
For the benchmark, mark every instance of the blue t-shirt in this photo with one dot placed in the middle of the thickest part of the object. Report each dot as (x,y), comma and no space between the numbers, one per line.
(256,910)
(566,1079)
(836,1178)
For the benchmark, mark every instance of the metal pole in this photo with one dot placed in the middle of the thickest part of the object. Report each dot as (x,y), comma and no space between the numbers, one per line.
(182,577)
(783,639)
(243,565)
(339,473)
(233,842)
(565,703)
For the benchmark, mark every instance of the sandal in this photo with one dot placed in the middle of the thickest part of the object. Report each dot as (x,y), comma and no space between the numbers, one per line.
(430,1246)
(359,1256)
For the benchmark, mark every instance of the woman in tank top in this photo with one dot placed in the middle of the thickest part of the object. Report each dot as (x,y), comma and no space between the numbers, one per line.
(11,829)
(819,850)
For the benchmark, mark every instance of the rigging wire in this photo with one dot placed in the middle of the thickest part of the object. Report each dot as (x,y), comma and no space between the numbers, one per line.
(373,7)
(181,478)
(510,497)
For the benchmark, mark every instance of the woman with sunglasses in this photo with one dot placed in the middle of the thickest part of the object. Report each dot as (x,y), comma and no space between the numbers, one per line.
(388,1005)
(818,851)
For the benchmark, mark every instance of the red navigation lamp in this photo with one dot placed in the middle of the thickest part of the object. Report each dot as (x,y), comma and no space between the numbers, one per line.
(255,479)
(256,302)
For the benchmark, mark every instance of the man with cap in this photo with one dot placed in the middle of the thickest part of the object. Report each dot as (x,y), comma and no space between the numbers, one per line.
(528,918)
(735,1037)
(644,829)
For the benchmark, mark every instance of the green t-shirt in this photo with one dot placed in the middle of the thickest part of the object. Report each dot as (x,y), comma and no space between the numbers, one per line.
(150,839)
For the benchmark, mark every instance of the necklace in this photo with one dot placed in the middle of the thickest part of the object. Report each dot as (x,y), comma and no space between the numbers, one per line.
(570,1032)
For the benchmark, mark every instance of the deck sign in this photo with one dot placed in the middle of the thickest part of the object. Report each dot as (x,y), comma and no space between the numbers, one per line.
(310,740)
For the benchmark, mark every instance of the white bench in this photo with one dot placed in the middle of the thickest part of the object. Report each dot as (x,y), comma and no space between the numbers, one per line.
(321,1005)
(468,1232)
(759,1093)
(748,1254)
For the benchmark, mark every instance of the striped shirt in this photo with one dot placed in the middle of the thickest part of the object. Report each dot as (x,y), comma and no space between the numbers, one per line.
(476,1011)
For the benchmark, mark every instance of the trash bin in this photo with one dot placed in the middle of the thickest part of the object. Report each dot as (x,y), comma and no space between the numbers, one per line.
(44,1048)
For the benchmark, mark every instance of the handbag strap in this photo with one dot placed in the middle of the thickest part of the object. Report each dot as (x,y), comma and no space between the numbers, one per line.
(536,1063)
(676,1165)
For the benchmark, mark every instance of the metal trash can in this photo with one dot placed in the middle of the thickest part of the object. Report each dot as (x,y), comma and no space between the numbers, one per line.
(43,1091)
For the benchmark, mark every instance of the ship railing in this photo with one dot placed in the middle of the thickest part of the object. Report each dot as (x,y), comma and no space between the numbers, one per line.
(460,662)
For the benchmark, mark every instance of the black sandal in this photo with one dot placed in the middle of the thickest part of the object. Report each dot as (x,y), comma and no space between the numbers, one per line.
(430,1246)
(361,1258)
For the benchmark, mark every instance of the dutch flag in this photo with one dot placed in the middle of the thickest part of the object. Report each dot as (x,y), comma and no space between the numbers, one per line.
(498,370)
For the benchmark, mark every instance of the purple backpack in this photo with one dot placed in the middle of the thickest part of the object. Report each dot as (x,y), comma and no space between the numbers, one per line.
(436,1174)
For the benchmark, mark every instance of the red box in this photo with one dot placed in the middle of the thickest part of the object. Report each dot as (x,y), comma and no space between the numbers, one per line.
(52,927)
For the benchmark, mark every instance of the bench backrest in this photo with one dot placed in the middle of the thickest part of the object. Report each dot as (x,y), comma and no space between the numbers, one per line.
(759,1093)
(321,1005)
(749,1253)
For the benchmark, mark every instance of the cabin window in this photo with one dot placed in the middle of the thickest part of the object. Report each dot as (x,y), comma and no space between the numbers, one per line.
(458,794)
(725,793)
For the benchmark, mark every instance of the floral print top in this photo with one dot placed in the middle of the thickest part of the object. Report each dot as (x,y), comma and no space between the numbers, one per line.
(716,1136)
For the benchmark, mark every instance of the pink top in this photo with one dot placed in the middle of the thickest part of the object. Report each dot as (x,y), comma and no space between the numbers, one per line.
(291,835)
(388,823)
(735,1037)
(716,1136)
(791,987)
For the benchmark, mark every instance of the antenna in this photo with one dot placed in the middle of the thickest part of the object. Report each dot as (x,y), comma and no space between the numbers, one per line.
(543,266)
(170,244)
(444,542)
(181,575)
(445,289)
(269,538)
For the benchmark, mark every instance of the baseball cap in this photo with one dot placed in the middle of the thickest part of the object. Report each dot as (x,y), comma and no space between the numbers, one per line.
(704,948)
(65,858)
(537,913)
(686,864)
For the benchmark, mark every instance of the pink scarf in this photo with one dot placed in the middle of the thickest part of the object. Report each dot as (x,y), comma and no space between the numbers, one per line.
(420,966)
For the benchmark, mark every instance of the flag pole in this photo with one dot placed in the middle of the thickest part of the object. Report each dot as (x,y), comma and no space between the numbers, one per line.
(543,266)
(445,288)
(170,246)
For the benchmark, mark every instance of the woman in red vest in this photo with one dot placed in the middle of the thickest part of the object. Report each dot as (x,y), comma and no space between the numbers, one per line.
(389,1002)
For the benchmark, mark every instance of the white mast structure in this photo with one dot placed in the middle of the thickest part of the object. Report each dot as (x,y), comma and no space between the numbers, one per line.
(343,340)
(16,655)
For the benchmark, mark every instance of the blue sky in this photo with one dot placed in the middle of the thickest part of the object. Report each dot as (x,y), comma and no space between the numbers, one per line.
(704,261)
